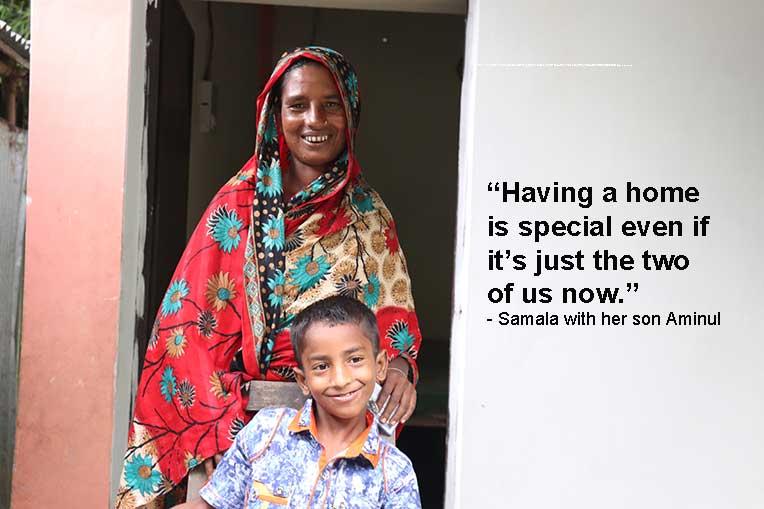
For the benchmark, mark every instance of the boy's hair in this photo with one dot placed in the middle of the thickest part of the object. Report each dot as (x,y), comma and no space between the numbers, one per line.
(331,311)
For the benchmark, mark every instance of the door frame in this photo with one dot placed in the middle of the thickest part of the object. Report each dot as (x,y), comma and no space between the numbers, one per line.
(132,290)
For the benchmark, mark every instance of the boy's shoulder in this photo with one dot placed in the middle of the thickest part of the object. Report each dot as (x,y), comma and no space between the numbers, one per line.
(264,427)
(400,484)
(273,423)
(394,462)
(273,415)
(269,418)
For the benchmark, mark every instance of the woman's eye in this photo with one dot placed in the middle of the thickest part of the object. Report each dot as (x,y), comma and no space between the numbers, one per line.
(297,106)
(333,106)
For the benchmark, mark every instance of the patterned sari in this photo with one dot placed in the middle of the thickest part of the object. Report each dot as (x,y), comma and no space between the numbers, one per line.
(252,263)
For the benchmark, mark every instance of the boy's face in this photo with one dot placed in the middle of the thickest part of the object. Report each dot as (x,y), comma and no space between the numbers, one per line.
(339,369)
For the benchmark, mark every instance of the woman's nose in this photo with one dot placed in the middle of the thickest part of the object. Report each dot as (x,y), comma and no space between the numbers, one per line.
(316,116)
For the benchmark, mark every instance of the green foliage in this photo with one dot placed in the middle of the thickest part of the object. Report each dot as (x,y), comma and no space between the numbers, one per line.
(16,14)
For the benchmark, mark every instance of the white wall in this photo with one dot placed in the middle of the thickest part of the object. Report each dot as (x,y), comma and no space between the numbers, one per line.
(628,417)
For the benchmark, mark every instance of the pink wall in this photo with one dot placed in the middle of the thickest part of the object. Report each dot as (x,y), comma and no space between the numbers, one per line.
(78,123)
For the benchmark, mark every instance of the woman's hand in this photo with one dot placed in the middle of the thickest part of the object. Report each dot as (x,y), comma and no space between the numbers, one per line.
(210,464)
(398,395)
(198,503)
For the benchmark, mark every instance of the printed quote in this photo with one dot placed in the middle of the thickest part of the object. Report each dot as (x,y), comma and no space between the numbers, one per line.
(542,262)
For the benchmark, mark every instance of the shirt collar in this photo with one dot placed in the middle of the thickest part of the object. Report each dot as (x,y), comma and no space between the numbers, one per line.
(366,445)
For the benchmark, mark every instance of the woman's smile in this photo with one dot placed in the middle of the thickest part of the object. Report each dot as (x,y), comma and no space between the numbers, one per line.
(315,140)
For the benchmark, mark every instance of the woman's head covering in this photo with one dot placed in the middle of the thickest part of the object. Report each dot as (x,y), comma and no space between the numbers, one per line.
(344,78)
(276,218)
(252,263)
(269,142)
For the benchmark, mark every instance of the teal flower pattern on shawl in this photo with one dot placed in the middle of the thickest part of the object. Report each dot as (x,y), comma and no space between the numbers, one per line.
(273,233)
(362,200)
(269,179)
(276,284)
(140,475)
(401,337)
(168,385)
(351,82)
(316,186)
(371,291)
(223,226)
(270,132)
(173,298)
(309,272)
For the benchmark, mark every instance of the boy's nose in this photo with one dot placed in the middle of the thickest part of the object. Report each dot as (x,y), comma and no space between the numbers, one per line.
(341,377)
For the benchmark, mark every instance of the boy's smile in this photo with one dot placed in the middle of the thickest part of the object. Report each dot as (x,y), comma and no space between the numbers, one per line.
(339,368)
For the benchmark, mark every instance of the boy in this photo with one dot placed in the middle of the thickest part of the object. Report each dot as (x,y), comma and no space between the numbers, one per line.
(329,454)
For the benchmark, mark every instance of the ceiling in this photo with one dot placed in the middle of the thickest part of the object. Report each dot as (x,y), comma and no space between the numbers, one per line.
(431,6)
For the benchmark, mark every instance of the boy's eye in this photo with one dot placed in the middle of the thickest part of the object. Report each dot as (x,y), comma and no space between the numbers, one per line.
(320,367)
(356,359)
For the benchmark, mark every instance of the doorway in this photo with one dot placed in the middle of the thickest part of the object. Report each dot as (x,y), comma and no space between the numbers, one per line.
(409,68)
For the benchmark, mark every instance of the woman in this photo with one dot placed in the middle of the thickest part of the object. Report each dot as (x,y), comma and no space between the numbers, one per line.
(298,223)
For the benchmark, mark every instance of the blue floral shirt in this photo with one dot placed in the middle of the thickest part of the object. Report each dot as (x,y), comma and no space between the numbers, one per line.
(276,461)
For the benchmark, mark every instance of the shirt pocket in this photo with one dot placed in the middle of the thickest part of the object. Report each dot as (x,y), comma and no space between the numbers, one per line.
(271,485)
(262,495)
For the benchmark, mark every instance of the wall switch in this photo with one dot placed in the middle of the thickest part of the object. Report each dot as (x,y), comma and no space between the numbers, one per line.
(204,100)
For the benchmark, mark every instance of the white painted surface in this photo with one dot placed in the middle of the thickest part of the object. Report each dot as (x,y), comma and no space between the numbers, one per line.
(626,417)
(132,290)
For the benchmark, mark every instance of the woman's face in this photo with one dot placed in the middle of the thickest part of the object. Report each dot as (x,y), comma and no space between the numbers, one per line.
(312,116)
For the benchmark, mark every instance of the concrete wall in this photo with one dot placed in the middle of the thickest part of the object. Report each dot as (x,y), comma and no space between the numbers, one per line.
(408,134)
(628,417)
(78,141)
